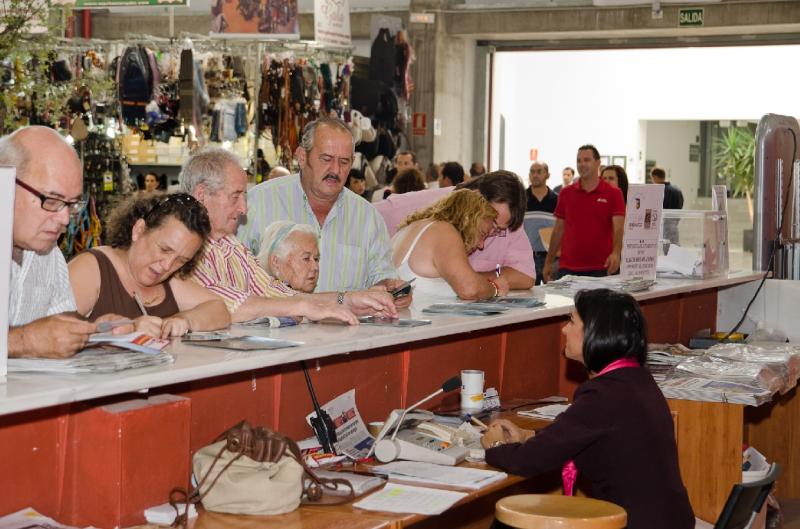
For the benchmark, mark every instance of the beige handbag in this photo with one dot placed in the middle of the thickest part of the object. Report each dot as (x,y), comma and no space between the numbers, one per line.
(252,471)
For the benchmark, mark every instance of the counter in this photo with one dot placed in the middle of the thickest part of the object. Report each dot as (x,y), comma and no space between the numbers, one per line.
(67,438)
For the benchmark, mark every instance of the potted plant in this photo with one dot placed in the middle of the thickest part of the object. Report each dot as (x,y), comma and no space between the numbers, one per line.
(734,157)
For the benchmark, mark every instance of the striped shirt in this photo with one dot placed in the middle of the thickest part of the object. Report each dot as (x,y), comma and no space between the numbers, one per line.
(354,244)
(228,269)
(39,287)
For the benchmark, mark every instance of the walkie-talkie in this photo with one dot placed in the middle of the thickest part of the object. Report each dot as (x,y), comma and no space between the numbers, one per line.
(322,424)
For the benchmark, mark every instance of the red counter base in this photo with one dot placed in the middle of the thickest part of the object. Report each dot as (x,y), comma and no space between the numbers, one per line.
(103,462)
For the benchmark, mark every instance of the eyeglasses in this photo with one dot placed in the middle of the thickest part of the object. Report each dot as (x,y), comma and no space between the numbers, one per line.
(51,204)
(497,231)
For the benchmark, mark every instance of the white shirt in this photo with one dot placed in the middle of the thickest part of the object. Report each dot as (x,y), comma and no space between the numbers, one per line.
(39,287)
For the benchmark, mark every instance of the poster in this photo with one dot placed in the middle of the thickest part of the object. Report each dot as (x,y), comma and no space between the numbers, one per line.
(255,19)
(642,231)
(332,22)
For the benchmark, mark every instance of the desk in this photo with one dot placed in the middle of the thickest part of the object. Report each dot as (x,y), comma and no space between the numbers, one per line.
(476,510)
(82,435)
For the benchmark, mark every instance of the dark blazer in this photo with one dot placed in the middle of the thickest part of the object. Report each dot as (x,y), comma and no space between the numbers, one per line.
(619,432)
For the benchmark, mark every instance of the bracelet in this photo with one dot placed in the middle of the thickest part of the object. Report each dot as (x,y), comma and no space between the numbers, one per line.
(340,298)
(496,444)
(496,290)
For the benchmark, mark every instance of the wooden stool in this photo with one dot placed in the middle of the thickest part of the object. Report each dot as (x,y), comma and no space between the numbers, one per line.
(550,511)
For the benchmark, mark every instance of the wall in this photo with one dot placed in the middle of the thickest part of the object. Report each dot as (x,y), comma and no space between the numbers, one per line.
(558,100)
(668,145)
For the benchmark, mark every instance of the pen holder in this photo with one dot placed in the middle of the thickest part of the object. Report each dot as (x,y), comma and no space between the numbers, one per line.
(471,390)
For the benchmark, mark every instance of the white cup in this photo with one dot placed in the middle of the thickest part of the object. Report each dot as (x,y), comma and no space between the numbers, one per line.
(471,390)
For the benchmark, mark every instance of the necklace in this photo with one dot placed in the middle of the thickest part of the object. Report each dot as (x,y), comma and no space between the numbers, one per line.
(137,292)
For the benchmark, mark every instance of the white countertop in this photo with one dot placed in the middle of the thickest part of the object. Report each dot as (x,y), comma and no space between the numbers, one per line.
(23,392)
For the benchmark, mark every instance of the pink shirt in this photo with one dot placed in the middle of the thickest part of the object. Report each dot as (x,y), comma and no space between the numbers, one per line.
(513,251)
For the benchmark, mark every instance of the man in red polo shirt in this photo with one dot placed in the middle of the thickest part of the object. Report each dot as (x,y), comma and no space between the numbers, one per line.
(590,216)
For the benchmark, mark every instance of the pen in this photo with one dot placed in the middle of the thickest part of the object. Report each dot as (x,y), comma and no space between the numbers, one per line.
(497,270)
(138,301)
(477,422)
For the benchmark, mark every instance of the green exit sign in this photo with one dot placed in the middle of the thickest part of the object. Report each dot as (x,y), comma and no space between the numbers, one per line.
(690,17)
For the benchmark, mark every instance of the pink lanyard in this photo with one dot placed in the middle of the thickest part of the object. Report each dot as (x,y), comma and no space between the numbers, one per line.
(569,474)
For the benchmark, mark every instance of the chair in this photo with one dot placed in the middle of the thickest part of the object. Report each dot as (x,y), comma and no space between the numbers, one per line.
(534,224)
(745,501)
(554,511)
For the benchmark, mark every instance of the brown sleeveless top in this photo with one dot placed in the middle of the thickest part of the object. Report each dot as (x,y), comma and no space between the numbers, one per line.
(114,298)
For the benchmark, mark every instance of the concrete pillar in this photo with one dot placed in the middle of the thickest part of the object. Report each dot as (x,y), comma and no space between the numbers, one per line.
(444,75)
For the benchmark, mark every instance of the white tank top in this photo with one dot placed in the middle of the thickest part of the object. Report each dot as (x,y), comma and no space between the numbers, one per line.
(429,286)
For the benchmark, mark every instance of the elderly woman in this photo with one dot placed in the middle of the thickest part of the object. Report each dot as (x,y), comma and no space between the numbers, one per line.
(432,246)
(618,431)
(154,240)
(290,253)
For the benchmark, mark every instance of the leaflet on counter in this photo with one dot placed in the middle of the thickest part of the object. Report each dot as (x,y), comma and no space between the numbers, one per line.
(352,437)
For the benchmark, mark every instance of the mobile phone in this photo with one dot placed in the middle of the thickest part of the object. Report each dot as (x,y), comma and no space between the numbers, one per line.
(403,290)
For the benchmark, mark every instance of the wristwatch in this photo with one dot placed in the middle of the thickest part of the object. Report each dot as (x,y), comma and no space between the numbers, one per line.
(496,444)
(340,298)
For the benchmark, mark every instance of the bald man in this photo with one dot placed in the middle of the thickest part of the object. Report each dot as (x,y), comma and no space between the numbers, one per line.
(42,322)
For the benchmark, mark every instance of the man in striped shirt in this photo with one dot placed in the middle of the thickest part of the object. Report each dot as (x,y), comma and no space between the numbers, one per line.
(354,243)
(227,268)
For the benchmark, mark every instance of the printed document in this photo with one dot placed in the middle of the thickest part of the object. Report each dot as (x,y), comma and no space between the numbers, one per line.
(407,499)
(352,437)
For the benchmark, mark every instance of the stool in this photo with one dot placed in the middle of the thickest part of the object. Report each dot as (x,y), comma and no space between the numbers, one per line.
(550,511)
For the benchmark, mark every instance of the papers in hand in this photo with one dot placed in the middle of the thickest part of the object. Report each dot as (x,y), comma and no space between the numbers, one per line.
(395,497)
(107,353)
(545,412)
(419,472)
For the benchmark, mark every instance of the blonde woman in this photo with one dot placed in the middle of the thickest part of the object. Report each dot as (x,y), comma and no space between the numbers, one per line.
(432,246)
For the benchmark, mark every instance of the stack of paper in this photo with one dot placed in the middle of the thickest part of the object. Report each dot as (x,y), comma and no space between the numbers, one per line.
(465,309)
(570,285)
(407,499)
(545,412)
(95,360)
(418,472)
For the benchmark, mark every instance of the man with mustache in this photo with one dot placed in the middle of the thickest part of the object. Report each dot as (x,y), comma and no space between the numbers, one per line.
(215,177)
(354,244)
(41,307)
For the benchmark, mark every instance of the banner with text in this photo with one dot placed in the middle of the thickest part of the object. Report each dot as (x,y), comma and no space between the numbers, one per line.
(642,231)
(332,22)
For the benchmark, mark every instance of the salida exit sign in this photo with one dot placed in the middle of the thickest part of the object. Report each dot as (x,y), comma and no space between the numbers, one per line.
(690,17)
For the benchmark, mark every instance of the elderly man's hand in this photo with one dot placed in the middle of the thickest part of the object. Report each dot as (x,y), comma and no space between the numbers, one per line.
(58,336)
(373,302)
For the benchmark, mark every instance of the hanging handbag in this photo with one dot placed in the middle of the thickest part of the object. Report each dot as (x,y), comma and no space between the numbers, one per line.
(253,470)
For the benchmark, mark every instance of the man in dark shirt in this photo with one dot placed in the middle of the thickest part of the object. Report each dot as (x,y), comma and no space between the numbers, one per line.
(540,197)
(673,196)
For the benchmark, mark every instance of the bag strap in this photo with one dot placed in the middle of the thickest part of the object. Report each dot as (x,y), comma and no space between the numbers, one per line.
(318,485)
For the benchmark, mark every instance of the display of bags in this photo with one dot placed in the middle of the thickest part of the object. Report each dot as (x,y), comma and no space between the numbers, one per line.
(253,470)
